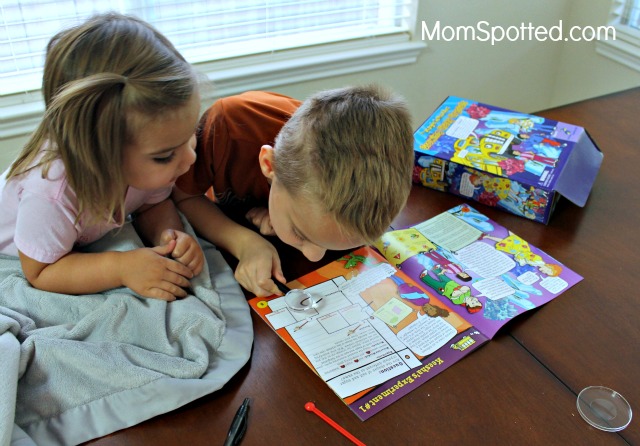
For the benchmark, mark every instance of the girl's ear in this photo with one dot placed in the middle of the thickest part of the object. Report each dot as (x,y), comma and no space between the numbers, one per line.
(265,158)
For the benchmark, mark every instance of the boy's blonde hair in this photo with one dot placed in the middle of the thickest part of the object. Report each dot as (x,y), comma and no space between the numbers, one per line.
(351,151)
(99,78)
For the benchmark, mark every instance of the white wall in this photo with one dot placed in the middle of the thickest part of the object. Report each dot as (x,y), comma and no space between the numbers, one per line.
(583,73)
(9,149)
(526,76)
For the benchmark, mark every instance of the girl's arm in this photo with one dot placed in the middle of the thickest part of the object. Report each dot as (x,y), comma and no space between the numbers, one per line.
(258,260)
(146,271)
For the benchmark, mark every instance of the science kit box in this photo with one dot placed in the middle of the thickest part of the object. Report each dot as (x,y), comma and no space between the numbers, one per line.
(517,162)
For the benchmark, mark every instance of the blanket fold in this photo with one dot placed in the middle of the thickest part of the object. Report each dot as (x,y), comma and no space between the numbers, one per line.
(75,368)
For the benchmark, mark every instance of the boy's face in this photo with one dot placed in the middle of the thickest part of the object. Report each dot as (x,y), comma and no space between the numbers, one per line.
(301,223)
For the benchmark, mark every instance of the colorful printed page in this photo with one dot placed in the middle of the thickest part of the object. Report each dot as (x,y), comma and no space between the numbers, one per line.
(377,329)
(372,334)
(481,270)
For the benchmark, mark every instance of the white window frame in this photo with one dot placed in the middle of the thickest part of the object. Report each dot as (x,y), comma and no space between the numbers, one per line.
(20,113)
(625,48)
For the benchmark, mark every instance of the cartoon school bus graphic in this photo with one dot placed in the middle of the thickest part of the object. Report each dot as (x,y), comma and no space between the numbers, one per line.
(463,343)
(432,175)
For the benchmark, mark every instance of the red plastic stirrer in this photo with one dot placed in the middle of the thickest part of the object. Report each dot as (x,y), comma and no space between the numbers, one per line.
(312,408)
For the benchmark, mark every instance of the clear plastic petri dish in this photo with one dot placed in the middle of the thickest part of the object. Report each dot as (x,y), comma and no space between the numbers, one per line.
(302,300)
(604,408)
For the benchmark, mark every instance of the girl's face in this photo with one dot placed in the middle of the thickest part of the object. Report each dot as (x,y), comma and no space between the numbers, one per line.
(163,148)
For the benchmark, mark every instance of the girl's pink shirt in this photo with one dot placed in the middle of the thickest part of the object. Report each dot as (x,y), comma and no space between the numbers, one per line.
(38,214)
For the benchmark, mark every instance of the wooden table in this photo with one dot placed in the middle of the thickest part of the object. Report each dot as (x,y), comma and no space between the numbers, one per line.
(521,387)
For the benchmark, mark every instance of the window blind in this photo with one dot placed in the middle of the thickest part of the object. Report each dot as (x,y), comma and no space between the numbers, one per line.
(201,30)
(631,14)
(624,20)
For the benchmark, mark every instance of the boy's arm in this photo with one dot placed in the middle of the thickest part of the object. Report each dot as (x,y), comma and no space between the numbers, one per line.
(258,259)
(259,217)
(151,220)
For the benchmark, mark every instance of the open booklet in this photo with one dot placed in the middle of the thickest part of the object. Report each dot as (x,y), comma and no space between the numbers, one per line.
(383,321)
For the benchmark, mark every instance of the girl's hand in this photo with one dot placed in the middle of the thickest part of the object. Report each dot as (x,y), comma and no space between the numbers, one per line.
(258,262)
(148,272)
(187,250)
(259,217)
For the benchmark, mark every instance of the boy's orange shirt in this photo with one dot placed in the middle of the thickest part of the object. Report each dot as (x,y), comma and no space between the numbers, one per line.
(230,136)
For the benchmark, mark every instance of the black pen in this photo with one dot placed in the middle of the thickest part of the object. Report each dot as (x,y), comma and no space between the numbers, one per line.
(281,286)
(239,425)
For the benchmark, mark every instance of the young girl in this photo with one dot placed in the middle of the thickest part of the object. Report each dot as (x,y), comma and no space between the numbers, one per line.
(122,106)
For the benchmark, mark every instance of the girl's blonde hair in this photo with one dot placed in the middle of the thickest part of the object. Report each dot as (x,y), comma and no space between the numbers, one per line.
(350,150)
(98,77)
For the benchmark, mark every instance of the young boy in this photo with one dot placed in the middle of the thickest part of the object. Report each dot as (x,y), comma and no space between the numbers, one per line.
(336,176)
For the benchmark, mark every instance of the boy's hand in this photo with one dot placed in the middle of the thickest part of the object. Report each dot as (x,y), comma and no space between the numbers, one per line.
(258,262)
(148,272)
(259,217)
(187,250)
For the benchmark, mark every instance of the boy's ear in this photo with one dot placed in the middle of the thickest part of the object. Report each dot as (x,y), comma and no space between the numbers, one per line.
(265,158)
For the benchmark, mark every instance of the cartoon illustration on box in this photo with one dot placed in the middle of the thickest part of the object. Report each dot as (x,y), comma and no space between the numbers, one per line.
(430,172)
(495,156)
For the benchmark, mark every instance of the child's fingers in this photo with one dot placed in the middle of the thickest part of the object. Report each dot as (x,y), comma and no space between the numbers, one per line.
(258,287)
(194,262)
(267,288)
(265,227)
(165,250)
(282,287)
(259,217)
(276,268)
(177,279)
(159,294)
(196,265)
(176,272)
(167,291)
(174,290)
(167,236)
(193,258)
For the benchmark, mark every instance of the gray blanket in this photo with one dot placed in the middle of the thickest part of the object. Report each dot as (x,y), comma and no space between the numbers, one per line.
(73,368)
